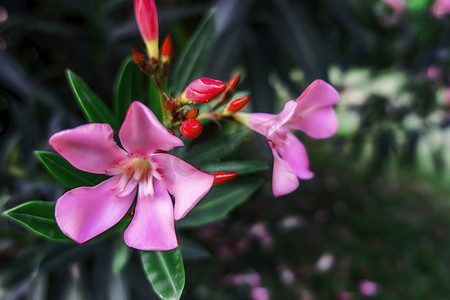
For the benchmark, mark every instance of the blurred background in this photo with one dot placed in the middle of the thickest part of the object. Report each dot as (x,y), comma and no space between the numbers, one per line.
(372,223)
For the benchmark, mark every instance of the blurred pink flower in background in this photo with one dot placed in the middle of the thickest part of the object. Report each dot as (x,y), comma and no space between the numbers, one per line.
(368,288)
(142,170)
(260,293)
(440,8)
(397,5)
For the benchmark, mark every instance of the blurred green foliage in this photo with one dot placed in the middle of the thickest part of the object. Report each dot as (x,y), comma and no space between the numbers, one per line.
(377,209)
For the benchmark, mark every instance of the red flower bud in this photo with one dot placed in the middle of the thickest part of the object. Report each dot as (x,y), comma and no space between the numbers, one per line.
(147,20)
(192,114)
(237,104)
(233,82)
(166,50)
(169,105)
(222,177)
(191,128)
(171,132)
(137,57)
(203,90)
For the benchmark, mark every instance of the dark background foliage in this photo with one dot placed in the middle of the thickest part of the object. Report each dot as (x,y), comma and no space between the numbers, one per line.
(377,211)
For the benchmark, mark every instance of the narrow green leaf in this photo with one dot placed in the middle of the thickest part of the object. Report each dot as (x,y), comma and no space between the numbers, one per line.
(122,255)
(39,217)
(220,201)
(196,55)
(93,107)
(165,271)
(128,87)
(240,167)
(62,170)
(155,101)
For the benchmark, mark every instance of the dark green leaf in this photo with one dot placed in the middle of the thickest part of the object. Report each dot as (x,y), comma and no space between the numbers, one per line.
(220,201)
(93,107)
(165,271)
(240,167)
(196,55)
(192,250)
(62,170)
(128,87)
(62,255)
(155,101)
(39,217)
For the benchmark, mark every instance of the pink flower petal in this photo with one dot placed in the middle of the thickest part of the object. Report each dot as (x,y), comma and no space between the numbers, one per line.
(284,180)
(152,227)
(90,148)
(294,153)
(268,124)
(187,184)
(85,212)
(142,134)
(318,123)
(317,94)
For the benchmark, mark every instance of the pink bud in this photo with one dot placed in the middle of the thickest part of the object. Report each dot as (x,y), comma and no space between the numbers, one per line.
(147,20)
(203,90)
(191,128)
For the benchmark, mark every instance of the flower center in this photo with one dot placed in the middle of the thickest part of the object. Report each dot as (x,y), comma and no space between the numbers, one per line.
(135,171)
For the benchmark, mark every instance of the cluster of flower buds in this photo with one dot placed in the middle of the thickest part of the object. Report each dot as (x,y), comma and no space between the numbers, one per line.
(183,114)
(147,20)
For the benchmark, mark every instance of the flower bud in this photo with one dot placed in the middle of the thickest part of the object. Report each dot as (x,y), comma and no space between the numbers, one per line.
(231,85)
(202,90)
(137,57)
(166,50)
(192,114)
(236,105)
(147,20)
(222,177)
(191,128)
(169,105)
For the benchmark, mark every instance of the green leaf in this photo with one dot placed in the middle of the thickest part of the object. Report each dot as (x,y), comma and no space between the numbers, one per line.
(128,87)
(155,102)
(62,170)
(93,107)
(220,201)
(240,167)
(192,250)
(196,55)
(122,255)
(39,217)
(165,271)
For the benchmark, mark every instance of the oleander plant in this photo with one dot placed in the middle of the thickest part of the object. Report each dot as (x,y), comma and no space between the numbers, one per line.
(258,150)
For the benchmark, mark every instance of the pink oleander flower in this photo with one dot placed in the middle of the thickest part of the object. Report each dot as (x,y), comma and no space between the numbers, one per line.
(141,169)
(147,20)
(398,6)
(311,113)
(440,8)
